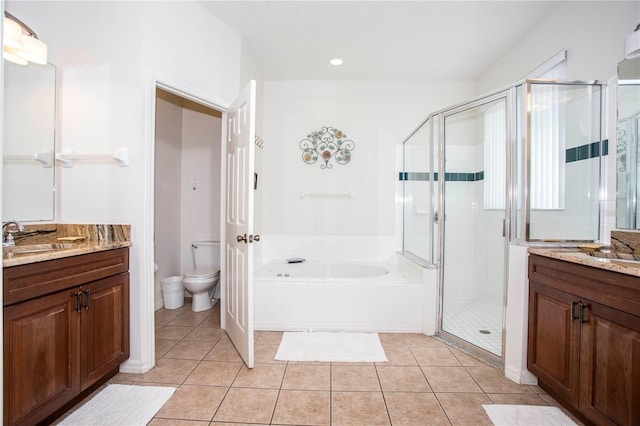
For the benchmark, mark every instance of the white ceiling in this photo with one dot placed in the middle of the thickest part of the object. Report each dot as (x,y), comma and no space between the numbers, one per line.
(379,40)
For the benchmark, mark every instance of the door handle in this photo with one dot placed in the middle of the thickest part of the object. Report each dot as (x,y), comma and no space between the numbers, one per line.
(241,238)
(87,294)
(78,302)
(582,315)
(573,310)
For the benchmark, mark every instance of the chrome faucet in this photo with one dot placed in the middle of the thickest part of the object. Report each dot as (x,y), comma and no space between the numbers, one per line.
(8,229)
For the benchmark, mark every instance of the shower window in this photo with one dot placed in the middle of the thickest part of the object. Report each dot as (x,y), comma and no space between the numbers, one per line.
(561,132)
(495,147)
(419,180)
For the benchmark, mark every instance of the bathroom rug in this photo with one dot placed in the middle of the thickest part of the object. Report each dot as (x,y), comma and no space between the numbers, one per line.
(121,405)
(330,347)
(527,415)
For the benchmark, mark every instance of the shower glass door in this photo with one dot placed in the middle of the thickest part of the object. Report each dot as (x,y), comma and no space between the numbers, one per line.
(474,201)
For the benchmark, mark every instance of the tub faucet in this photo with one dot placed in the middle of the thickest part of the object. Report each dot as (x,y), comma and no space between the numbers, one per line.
(8,229)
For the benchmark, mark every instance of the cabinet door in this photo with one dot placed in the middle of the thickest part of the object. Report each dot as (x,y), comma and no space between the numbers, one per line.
(554,340)
(41,339)
(104,327)
(610,366)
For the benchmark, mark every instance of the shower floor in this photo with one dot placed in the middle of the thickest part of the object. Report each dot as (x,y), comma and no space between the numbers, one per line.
(471,321)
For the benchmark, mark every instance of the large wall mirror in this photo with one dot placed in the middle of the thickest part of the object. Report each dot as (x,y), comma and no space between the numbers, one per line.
(628,146)
(29,136)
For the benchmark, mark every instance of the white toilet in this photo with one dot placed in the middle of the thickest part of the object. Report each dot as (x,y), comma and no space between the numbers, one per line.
(202,280)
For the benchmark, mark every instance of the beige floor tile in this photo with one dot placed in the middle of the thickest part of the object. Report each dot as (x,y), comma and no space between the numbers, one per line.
(263,376)
(398,355)
(403,378)
(465,408)
(307,377)
(466,359)
(537,390)
(173,332)
(214,373)
(206,333)
(414,409)
(214,423)
(358,408)
(296,407)
(450,379)
(163,316)
(193,403)
(212,321)
(247,405)
(492,380)
(176,422)
(434,356)
(516,398)
(163,346)
(124,378)
(266,353)
(173,371)
(224,351)
(190,350)
(391,339)
(269,337)
(419,339)
(190,318)
(354,378)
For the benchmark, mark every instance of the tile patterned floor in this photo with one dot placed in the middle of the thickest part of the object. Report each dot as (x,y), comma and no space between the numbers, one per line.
(425,382)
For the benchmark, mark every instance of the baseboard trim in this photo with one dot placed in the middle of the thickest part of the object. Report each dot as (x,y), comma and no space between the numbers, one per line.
(134,366)
(523,377)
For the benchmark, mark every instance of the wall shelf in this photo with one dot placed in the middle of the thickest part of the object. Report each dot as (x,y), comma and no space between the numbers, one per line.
(44,158)
(121,157)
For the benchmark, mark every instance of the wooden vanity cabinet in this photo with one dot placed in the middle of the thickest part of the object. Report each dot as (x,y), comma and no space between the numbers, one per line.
(584,339)
(58,346)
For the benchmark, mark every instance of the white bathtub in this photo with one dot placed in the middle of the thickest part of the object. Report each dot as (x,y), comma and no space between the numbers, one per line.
(332,296)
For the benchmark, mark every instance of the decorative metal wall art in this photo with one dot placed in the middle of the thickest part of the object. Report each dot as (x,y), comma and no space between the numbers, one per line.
(327,143)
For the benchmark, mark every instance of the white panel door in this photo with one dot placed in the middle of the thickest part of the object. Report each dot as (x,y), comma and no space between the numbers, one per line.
(238,283)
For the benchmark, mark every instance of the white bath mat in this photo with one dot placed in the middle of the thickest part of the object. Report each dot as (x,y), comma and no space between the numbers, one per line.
(533,415)
(331,347)
(121,405)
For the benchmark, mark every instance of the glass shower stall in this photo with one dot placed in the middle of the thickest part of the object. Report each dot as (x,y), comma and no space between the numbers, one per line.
(518,166)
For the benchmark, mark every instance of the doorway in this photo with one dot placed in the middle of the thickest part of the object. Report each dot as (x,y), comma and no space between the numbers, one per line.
(187,183)
(474,266)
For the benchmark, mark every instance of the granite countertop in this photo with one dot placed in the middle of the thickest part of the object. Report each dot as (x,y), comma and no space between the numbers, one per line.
(57,241)
(575,255)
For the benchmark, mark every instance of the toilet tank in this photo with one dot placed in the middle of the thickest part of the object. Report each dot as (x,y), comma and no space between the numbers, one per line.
(206,254)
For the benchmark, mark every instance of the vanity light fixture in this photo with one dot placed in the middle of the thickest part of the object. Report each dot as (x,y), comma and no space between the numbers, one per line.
(20,44)
(632,44)
(336,61)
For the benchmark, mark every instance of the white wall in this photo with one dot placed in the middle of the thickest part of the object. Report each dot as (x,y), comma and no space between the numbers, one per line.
(168,193)
(106,53)
(377,116)
(592,32)
(201,139)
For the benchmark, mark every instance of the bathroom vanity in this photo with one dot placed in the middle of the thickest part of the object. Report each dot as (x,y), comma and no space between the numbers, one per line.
(66,325)
(584,334)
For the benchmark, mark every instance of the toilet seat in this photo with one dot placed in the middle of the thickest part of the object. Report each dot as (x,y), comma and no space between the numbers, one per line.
(202,274)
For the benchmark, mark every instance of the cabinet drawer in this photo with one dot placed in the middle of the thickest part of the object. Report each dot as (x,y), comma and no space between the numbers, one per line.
(41,278)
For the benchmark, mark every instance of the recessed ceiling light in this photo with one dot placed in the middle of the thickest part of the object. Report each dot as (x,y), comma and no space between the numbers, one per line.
(336,61)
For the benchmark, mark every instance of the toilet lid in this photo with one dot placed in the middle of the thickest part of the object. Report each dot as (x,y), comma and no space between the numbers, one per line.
(202,273)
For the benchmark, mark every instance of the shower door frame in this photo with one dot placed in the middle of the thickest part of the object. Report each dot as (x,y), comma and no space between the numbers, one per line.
(509,96)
